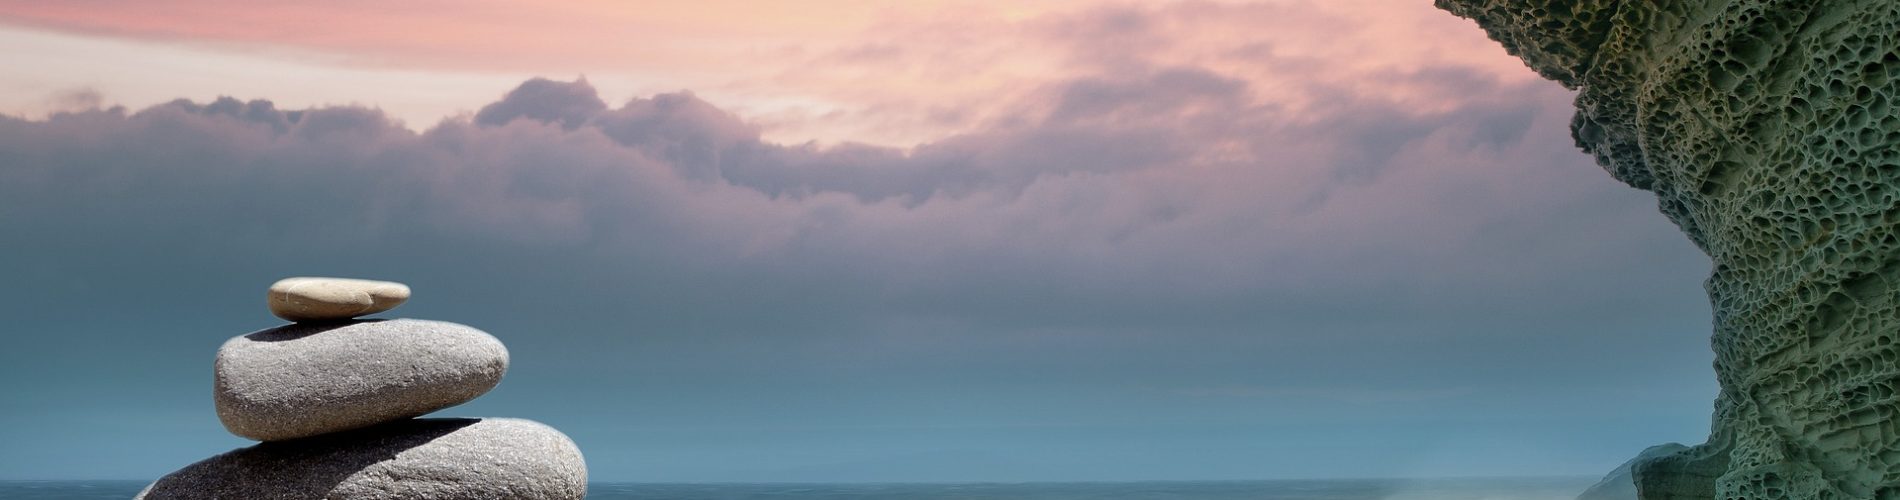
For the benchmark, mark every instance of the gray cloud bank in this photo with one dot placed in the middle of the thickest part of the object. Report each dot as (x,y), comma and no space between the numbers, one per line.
(1145,258)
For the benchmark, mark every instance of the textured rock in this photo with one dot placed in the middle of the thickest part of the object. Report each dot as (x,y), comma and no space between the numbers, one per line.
(436,459)
(1769,133)
(330,299)
(1620,484)
(311,378)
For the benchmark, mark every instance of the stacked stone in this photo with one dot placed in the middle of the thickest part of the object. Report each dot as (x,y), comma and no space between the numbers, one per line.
(334,400)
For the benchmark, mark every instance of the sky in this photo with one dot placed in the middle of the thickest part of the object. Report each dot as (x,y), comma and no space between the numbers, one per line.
(847,240)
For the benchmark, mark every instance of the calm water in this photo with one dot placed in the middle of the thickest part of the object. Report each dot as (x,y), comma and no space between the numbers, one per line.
(1353,489)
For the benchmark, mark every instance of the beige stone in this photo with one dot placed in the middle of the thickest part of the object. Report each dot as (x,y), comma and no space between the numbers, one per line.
(329,299)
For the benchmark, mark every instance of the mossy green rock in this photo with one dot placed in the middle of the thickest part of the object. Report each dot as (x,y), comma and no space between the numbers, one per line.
(1769,133)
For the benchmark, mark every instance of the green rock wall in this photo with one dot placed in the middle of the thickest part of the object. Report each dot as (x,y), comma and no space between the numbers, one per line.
(1769,131)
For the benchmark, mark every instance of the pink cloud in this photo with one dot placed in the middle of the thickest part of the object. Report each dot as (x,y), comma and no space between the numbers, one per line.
(1271,200)
(842,69)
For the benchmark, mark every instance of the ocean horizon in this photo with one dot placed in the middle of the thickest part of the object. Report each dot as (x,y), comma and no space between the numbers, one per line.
(1503,488)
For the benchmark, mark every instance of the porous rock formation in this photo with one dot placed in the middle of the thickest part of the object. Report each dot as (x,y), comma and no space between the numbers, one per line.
(1769,133)
(1620,484)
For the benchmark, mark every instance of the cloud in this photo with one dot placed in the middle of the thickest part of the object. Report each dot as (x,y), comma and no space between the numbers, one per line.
(833,71)
(930,76)
(1316,235)
(76,99)
(545,100)
(1172,193)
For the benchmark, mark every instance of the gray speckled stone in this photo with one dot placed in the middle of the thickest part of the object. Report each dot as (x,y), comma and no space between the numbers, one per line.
(302,380)
(437,459)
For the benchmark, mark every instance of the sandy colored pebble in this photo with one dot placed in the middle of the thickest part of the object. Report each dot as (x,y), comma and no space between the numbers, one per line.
(305,299)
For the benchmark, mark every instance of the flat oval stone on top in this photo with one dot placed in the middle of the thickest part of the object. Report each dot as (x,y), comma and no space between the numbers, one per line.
(307,379)
(328,299)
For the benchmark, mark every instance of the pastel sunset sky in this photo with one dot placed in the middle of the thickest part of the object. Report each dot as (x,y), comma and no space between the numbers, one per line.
(851,240)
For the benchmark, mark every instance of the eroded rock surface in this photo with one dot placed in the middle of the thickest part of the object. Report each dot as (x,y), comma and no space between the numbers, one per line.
(432,459)
(1769,133)
(1620,484)
(302,380)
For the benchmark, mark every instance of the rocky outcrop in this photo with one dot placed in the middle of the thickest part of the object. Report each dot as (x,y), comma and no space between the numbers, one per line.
(1769,133)
(1620,484)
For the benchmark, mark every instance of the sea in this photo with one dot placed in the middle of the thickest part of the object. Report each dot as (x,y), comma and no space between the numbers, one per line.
(1552,488)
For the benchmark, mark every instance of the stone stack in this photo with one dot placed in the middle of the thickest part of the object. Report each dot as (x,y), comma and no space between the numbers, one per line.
(334,400)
